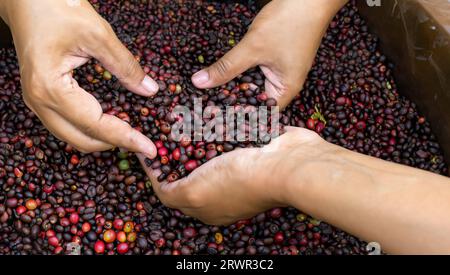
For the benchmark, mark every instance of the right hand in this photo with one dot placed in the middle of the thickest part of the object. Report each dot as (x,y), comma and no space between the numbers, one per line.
(54,37)
(245,182)
(283,40)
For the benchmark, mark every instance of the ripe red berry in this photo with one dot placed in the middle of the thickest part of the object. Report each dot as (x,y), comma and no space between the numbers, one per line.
(18,173)
(28,143)
(176,154)
(122,237)
(74,218)
(172,88)
(53,241)
(360,125)
(31,204)
(21,209)
(311,124)
(163,151)
(109,236)
(159,144)
(99,247)
(160,242)
(86,227)
(199,153)
(320,127)
(191,165)
(74,160)
(185,141)
(278,238)
(64,222)
(122,248)
(50,233)
(118,224)
(58,250)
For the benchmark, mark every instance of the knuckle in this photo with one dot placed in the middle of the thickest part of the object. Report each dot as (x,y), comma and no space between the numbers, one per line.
(36,88)
(101,32)
(130,70)
(252,42)
(167,202)
(132,139)
(90,129)
(222,67)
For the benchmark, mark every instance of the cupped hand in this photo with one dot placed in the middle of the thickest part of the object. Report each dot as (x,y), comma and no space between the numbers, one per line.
(52,38)
(283,41)
(242,183)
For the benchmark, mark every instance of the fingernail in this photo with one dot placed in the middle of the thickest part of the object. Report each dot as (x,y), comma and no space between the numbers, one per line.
(150,152)
(150,85)
(200,78)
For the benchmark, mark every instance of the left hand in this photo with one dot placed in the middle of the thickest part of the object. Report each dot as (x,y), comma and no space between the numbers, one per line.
(242,183)
(54,37)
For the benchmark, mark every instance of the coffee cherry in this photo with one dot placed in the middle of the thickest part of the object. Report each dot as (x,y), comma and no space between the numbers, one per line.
(122,248)
(31,204)
(109,236)
(122,237)
(99,247)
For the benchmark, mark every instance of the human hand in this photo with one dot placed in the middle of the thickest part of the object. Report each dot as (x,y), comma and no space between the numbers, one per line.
(242,183)
(52,38)
(283,41)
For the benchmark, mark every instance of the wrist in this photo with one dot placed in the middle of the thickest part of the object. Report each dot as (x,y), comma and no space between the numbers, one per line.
(291,164)
(328,9)
(312,169)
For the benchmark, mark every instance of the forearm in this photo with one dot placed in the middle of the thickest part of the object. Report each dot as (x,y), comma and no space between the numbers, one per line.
(325,8)
(4,7)
(404,209)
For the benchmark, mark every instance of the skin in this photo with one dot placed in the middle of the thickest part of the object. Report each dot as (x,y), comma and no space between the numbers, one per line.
(292,32)
(47,55)
(364,196)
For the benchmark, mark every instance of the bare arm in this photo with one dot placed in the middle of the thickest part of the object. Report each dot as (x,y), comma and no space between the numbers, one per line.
(292,31)
(48,55)
(404,209)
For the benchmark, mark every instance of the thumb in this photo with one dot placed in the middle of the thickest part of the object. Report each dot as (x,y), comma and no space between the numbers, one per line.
(117,59)
(235,62)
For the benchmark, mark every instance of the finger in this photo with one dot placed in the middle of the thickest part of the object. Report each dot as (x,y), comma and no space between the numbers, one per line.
(238,60)
(118,60)
(65,131)
(165,191)
(84,112)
